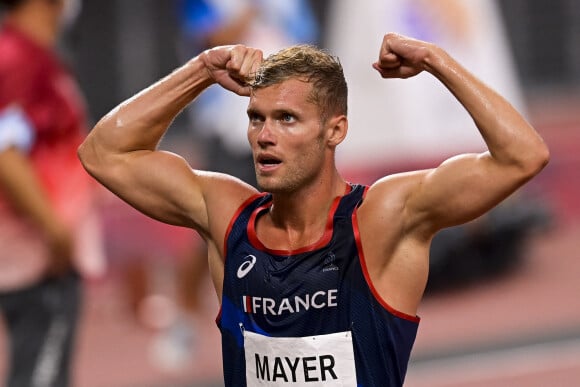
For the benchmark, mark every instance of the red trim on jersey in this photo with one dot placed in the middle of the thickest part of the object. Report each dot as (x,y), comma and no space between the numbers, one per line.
(323,241)
(363,264)
(235,216)
(229,230)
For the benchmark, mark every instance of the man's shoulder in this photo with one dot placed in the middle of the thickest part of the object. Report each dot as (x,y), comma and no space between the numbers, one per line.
(396,184)
(225,194)
(18,54)
(20,73)
(387,197)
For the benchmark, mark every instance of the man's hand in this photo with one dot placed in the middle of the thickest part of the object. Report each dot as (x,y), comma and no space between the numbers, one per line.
(232,66)
(402,57)
(60,243)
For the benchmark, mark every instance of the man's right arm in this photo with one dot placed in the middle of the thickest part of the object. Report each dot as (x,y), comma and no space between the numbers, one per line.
(121,150)
(22,187)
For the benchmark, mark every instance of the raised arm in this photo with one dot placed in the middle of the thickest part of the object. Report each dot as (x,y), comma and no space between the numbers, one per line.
(121,150)
(468,185)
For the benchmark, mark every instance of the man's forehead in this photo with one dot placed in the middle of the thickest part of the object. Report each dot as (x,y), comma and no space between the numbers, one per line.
(288,90)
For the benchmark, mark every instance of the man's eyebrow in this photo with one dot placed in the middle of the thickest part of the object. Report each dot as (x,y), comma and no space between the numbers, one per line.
(276,112)
(252,111)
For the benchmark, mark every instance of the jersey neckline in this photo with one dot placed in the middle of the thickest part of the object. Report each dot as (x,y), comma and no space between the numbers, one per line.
(321,242)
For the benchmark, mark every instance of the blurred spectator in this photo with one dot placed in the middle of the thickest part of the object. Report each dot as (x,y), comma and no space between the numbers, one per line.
(48,227)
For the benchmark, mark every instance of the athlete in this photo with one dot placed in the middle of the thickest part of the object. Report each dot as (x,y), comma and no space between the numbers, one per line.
(319,280)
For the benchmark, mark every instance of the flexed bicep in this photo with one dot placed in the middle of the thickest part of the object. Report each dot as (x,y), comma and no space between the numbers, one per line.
(461,189)
(160,184)
(468,185)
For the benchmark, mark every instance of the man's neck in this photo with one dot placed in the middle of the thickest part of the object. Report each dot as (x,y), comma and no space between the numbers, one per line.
(34,22)
(299,219)
(307,208)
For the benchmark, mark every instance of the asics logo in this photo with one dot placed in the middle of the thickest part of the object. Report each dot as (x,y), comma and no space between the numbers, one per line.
(246,266)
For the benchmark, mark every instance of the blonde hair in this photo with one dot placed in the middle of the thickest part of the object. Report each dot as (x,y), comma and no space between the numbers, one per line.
(313,65)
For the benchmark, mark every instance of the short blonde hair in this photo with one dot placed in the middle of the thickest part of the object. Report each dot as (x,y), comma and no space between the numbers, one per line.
(314,65)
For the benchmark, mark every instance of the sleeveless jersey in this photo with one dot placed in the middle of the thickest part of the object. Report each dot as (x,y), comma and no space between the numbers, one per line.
(320,292)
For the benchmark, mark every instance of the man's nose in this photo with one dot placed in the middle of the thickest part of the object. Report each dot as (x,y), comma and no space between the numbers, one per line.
(266,134)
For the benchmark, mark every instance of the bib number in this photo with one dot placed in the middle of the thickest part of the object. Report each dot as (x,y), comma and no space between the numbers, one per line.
(324,360)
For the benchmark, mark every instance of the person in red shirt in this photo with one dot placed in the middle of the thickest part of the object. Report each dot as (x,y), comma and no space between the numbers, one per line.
(48,227)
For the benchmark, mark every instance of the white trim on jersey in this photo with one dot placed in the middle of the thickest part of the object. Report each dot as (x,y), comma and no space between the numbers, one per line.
(16,130)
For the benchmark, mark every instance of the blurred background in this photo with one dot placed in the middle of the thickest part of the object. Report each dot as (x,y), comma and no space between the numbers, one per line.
(501,308)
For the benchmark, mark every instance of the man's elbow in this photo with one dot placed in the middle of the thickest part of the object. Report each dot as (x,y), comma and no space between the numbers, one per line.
(537,160)
(82,153)
(88,155)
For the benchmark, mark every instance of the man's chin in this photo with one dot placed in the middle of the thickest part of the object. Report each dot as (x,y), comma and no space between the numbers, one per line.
(265,187)
(268,185)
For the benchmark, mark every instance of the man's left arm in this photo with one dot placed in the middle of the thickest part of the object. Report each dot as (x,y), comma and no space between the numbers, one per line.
(466,186)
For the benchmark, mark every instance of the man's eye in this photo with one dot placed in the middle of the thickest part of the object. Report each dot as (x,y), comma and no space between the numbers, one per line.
(254,117)
(287,117)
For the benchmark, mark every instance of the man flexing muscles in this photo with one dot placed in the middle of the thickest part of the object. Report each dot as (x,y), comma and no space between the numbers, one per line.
(319,280)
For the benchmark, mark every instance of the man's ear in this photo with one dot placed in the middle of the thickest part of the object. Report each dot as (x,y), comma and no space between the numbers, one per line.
(336,127)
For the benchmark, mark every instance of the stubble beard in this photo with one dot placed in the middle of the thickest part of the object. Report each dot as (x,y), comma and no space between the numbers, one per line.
(280,185)
(289,181)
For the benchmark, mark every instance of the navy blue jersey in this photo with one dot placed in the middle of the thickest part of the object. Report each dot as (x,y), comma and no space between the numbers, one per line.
(318,290)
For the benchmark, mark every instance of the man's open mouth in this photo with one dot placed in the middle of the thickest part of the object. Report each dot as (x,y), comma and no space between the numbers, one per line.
(268,160)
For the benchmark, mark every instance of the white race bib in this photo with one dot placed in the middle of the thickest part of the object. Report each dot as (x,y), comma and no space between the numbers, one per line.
(324,360)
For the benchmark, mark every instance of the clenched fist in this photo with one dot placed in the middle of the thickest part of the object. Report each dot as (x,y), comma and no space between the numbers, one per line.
(402,57)
(232,66)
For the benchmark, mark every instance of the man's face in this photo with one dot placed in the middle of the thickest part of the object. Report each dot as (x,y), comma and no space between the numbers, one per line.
(286,136)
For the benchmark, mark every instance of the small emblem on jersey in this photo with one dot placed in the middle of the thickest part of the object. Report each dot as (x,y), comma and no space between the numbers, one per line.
(329,263)
(246,266)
